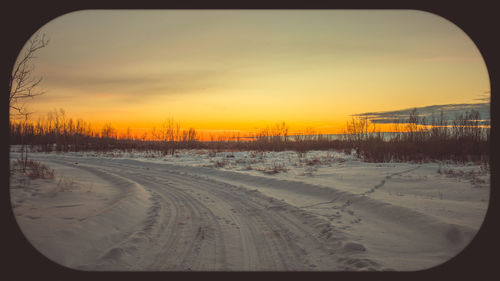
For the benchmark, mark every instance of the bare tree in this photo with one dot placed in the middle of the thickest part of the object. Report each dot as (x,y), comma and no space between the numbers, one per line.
(23,84)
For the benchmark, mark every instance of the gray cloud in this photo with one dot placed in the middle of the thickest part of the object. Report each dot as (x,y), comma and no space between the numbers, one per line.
(132,87)
(485,97)
(450,112)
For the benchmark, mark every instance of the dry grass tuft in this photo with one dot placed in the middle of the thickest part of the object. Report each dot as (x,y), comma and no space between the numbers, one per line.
(33,169)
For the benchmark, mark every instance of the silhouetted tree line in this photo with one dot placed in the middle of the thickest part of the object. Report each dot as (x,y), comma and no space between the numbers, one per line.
(464,139)
(415,139)
(59,133)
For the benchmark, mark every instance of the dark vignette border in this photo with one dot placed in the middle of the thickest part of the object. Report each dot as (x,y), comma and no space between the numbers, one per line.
(19,20)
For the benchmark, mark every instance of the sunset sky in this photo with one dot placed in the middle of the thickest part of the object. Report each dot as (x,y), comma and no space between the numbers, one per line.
(247,69)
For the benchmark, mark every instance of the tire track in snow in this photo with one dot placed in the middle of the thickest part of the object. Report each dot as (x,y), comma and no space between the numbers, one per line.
(259,234)
(188,228)
(268,240)
(197,211)
(282,229)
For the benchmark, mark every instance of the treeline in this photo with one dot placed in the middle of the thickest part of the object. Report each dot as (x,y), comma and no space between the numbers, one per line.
(59,133)
(463,139)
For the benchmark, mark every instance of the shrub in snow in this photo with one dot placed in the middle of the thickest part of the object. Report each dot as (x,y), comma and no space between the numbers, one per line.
(33,169)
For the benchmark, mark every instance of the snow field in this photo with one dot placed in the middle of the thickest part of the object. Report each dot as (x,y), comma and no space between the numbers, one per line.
(205,210)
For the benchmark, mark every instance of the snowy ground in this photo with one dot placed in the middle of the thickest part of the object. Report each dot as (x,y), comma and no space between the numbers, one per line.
(202,210)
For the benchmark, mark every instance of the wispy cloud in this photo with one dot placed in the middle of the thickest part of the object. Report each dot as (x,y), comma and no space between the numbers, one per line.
(133,87)
(485,97)
(450,112)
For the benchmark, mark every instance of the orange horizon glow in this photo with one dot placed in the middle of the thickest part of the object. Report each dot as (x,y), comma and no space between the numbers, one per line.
(223,135)
(125,131)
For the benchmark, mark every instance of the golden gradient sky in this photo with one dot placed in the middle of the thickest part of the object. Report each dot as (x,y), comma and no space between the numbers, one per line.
(246,69)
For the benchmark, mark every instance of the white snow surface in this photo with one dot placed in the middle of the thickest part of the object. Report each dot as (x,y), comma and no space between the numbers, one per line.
(230,211)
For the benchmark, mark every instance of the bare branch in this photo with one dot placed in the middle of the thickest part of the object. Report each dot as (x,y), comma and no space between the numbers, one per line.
(22,84)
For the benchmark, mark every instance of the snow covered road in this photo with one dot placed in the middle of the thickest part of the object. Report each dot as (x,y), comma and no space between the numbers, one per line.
(142,215)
